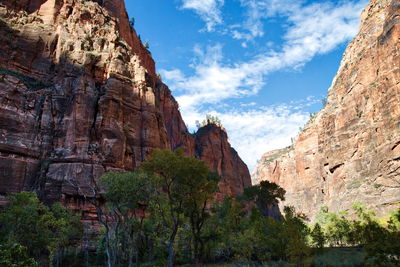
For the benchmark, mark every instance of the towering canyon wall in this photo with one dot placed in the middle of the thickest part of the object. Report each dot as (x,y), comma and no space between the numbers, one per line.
(79,96)
(351,150)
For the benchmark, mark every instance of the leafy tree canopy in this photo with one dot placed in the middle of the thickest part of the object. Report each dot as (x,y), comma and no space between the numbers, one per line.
(264,195)
(186,186)
(16,255)
(41,229)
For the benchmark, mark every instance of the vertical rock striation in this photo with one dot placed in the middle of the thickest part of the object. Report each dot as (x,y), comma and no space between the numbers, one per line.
(79,96)
(351,150)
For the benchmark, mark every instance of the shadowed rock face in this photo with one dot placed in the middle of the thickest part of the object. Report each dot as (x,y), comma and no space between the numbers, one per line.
(351,150)
(212,147)
(79,96)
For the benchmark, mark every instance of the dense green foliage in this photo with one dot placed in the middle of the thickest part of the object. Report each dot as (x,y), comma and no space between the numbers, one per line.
(128,195)
(15,255)
(380,240)
(149,210)
(264,195)
(165,214)
(183,227)
(237,234)
(33,230)
(188,186)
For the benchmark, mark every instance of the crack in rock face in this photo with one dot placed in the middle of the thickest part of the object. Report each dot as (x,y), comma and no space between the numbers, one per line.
(79,96)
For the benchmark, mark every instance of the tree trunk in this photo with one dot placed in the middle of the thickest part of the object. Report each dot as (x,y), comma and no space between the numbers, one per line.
(151,250)
(108,257)
(130,259)
(57,259)
(137,256)
(197,251)
(171,248)
(201,250)
(86,257)
(196,254)
(109,250)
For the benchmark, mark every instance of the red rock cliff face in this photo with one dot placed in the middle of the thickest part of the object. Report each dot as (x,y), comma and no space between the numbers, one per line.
(351,150)
(79,96)
(212,147)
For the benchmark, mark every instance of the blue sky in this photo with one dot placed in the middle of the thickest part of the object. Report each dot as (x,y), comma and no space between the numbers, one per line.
(261,66)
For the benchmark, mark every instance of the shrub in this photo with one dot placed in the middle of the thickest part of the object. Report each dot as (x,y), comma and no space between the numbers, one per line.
(31,83)
(42,230)
(15,255)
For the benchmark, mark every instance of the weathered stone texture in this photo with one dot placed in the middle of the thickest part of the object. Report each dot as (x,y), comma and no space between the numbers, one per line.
(79,96)
(350,151)
(212,147)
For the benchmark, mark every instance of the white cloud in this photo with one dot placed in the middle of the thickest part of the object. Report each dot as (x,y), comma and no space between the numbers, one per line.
(295,11)
(252,26)
(254,131)
(311,33)
(313,29)
(208,10)
(213,81)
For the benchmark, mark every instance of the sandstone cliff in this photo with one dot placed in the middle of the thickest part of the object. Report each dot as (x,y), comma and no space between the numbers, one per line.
(351,150)
(80,96)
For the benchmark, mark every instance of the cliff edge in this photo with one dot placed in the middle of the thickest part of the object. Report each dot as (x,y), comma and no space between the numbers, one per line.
(79,96)
(351,150)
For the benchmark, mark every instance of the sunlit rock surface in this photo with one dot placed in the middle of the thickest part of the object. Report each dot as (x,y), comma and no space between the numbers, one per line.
(79,96)
(351,150)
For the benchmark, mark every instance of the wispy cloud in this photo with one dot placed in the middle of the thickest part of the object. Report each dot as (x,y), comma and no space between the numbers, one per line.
(312,29)
(255,130)
(295,11)
(311,33)
(208,10)
(213,81)
(252,26)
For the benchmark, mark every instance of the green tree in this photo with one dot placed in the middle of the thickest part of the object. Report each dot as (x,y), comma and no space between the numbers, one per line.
(393,240)
(224,229)
(42,230)
(265,195)
(185,187)
(261,239)
(128,196)
(16,255)
(210,119)
(295,233)
(338,229)
(132,22)
(200,186)
(317,237)
(66,229)
(381,243)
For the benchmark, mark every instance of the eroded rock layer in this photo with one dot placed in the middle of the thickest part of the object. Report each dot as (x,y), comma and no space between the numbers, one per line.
(351,150)
(79,96)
